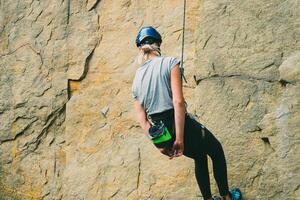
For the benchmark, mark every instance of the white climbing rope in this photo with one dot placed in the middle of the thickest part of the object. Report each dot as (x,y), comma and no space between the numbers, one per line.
(182,44)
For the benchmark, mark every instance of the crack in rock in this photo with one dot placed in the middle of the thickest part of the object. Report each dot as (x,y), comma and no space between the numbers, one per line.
(198,79)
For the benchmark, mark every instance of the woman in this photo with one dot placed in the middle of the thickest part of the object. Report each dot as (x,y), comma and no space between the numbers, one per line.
(161,111)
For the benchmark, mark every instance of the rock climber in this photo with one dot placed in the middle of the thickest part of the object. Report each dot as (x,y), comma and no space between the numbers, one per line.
(161,112)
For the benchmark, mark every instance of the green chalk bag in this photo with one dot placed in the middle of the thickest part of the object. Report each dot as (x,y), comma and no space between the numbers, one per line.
(160,135)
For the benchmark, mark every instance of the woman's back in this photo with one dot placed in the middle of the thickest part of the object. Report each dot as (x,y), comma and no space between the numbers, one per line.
(151,85)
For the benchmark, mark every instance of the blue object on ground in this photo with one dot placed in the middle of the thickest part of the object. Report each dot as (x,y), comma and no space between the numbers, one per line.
(235,194)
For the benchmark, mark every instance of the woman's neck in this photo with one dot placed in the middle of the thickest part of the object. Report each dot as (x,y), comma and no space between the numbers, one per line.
(151,56)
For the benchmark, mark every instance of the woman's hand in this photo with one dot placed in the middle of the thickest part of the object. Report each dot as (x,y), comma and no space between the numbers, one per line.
(178,148)
(175,151)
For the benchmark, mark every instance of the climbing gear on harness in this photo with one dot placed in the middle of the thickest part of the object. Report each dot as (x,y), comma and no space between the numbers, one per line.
(216,198)
(147,35)
(182,43)
(159,134)
(235,194)
(159,128)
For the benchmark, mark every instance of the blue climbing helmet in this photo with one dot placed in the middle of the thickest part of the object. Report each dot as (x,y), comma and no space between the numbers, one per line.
(148,35)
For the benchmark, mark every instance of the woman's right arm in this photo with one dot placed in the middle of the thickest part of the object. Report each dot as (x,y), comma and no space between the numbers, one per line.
(145,124)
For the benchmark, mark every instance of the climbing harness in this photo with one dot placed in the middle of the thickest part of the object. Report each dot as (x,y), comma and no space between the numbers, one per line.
(182,43)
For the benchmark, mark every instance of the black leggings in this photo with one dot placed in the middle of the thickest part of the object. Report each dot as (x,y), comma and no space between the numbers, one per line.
(198,143)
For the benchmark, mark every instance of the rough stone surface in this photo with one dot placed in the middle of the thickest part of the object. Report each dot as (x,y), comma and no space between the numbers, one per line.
(248,91)
(67,127)
(33,88)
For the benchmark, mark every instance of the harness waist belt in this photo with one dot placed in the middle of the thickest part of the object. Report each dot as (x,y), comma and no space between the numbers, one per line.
(162,115)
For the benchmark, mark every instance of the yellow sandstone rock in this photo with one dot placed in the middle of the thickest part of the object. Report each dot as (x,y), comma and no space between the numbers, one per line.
(67,125)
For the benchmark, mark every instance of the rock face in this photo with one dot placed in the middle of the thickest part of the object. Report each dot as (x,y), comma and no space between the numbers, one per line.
(67,126)
(33,79)
(247,70)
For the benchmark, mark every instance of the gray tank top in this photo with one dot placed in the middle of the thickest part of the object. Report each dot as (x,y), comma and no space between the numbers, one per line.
(151,85)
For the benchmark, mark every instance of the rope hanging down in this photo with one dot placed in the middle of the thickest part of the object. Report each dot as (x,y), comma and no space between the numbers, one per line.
(182,44)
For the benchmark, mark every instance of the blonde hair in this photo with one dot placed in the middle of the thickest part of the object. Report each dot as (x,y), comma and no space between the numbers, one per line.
(146,50)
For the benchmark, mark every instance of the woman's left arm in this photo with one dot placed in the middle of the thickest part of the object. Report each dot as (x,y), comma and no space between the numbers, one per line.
(179,108)
(142,117)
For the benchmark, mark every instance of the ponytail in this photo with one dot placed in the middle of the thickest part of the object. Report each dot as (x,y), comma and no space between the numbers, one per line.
(146,50)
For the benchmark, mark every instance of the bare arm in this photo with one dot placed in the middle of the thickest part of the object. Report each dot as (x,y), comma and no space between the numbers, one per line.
(179,108)
(142,118)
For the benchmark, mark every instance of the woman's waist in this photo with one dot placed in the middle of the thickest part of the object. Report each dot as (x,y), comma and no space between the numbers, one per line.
(162,115)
